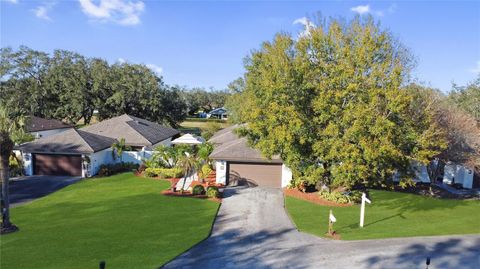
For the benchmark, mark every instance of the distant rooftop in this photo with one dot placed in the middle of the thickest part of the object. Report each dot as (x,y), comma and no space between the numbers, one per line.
(37,124)
(136,131)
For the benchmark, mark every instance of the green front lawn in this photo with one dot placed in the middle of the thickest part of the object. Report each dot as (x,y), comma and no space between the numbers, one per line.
(391,214)
(122,219)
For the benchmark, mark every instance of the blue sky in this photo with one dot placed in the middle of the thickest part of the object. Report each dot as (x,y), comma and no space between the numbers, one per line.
(203,43)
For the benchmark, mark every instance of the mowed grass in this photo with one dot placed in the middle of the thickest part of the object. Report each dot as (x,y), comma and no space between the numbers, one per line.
(122,219)
(391,214)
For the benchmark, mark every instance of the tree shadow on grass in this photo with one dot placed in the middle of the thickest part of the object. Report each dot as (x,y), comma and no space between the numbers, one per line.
(405,202)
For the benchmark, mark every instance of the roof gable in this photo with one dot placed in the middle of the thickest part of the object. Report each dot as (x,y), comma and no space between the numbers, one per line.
(70,141)
(230,147)
(36,124)
(135,131)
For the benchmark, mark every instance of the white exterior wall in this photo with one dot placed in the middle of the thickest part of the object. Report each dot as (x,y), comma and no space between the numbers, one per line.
(27,163)
(135,156)
(46,133)
(458,174)
(468,178)
(286,176)
(221,170)
(421,173)
(99,158)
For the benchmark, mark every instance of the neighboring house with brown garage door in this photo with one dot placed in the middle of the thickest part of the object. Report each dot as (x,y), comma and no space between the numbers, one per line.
(81,152)
(237,163)
(70,153)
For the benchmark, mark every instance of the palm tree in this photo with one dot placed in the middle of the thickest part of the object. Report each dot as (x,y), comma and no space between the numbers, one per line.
(188,163)
(118,148)
(11,129)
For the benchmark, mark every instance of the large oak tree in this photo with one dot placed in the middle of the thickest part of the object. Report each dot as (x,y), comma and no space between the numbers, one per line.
(331,104)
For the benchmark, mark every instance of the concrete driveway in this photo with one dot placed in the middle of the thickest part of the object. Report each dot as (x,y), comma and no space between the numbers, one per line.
(26,189)
(252,230)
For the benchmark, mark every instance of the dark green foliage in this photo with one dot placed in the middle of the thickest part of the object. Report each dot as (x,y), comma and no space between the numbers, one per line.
(67,85)
(112,169)
(199,99)
(213,192)
(468,97)
(198,190)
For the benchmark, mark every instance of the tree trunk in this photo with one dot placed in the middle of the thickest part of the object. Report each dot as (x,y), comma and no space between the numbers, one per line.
(6,226)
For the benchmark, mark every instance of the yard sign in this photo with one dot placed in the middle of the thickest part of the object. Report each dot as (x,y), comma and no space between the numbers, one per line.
(362,208)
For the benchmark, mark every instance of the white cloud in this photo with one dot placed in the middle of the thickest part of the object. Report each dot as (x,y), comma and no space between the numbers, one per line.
(42,11)
(476,69)
(367,9)
(361,9)
(307,24)
(117,11)
(121,60)
(12,1)
(155,68)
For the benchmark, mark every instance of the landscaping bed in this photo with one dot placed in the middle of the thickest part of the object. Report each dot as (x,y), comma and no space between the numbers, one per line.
(311,197)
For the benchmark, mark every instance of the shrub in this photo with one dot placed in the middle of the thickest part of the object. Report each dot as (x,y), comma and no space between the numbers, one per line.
(213,192)
(198,190)
(16,167)
(148,173)
(112,169)
(342,197)
(354,196)
(164,172)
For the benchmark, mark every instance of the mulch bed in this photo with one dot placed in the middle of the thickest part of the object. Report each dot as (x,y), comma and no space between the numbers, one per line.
(311,197)
(189,194)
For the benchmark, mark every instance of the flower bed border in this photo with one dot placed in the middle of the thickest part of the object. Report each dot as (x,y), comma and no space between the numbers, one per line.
(312,197)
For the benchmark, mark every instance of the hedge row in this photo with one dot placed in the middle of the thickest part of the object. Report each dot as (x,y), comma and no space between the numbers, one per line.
(163,172)
(205,120)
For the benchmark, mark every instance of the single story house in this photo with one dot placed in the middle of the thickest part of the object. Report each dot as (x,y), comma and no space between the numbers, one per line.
(138,133)
(218,113)
(81,152)
(40,127)
(238,163)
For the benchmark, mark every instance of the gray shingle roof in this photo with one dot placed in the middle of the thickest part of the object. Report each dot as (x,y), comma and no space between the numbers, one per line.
(234,148)
(36,124)
(70,141)
(224,135)
(136,131)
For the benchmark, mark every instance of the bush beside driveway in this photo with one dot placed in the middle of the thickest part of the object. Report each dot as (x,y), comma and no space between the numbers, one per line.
(122,219)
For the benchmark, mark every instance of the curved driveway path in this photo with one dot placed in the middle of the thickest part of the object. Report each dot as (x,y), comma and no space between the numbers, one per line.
(252,230)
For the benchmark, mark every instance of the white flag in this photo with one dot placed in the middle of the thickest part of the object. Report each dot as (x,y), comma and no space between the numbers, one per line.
(332,218)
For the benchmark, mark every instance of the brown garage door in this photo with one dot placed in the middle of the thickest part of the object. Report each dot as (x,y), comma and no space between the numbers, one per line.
(58,165)
(253,174)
